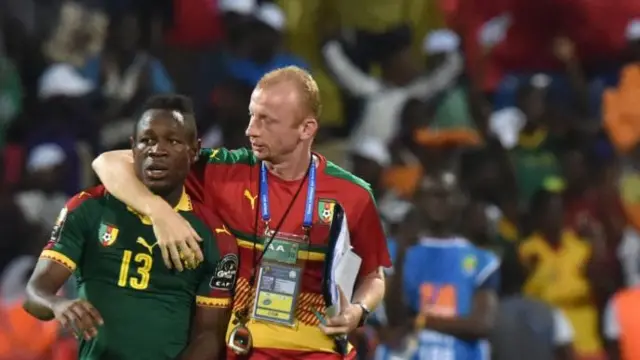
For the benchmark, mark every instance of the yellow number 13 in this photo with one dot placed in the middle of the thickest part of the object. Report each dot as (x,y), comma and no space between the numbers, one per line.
(143,262)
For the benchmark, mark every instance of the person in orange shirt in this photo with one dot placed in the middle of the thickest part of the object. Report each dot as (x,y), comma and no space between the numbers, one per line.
(557,261)
(621,325)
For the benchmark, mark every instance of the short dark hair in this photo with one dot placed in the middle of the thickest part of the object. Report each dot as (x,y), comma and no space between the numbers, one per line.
(171,102)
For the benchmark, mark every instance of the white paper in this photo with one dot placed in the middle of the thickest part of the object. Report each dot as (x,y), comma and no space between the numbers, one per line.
(344,271)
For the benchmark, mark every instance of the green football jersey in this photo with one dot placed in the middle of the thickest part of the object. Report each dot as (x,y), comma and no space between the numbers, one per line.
(147,308)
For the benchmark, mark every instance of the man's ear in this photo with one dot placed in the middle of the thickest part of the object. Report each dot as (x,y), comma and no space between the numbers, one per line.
(195,150)
(308,128)
(133,142)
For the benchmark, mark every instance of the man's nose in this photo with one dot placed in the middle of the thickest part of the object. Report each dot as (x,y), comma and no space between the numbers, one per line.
(158,149)
(252,129)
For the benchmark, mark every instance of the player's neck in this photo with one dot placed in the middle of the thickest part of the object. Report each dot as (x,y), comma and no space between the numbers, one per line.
(438,231)
(293,167)
(173,198)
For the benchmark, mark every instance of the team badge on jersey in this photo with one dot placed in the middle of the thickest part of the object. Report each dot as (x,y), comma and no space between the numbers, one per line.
(224,276)
(108,234)
(325,210)
(469,264)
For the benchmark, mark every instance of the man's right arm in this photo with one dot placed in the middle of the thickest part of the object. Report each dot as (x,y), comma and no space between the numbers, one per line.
(58,259)
(115,170)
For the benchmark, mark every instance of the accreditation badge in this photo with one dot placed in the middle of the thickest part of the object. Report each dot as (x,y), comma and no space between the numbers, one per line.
(277,293)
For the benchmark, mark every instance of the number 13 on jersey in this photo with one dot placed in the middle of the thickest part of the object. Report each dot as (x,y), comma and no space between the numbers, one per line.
(143,263)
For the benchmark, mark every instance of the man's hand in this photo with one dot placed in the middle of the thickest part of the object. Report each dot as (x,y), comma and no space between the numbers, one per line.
(79,316)
(347,321)
(564,49)
(176,238)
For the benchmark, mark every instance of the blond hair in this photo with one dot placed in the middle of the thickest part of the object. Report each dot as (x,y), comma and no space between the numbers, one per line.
(301,79)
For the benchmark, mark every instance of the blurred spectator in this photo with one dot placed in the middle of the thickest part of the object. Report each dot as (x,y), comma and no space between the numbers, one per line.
(78,35)
(527,328)
(43,201)
(590,216)
(18,330)
(452,123)
(621,115)
(452,307)
(557,261)
(64,116)
(265,52)
(126,75)
(11,94)
(522,129)
(394,108)
(621,325)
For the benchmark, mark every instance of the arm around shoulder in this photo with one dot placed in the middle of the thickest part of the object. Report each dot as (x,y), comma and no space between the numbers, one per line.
(115,170)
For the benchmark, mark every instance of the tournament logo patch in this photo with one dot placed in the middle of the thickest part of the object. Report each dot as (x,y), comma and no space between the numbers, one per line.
(325,210)
(108,234)
(469,264)
(57,228)
(224,276)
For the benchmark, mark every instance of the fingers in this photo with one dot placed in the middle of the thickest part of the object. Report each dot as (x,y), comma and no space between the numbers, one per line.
(175,256)
(194,233)
(334,330)
(165,255)
(93,313)
(339,320)
(191,246)
(83,319)
(194,249)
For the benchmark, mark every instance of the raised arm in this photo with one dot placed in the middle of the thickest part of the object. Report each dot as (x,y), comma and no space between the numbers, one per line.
(441,78)
(174,234)
(346,73)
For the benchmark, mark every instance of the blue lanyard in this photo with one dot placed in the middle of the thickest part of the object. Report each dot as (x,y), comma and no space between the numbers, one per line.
(311,193)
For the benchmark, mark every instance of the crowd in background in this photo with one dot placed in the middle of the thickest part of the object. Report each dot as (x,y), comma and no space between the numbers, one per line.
(529,108)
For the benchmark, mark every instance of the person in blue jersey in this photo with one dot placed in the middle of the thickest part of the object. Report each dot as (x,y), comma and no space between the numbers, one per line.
(447,285)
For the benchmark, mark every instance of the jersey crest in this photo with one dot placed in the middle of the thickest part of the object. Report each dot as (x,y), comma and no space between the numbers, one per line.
(469,264)
(108,234)
(325,210)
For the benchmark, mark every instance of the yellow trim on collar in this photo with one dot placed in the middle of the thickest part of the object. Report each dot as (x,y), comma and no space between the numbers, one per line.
(183,205)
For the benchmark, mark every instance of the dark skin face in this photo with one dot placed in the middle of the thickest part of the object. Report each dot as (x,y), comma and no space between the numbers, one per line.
(551,217)
(436,200)
(533,105)
(574,169)
(401,68)
(163,151)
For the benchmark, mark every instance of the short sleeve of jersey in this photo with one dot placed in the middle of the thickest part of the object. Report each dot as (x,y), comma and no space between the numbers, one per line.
(487,274)
(368,238)
(67,239)
(221,264)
